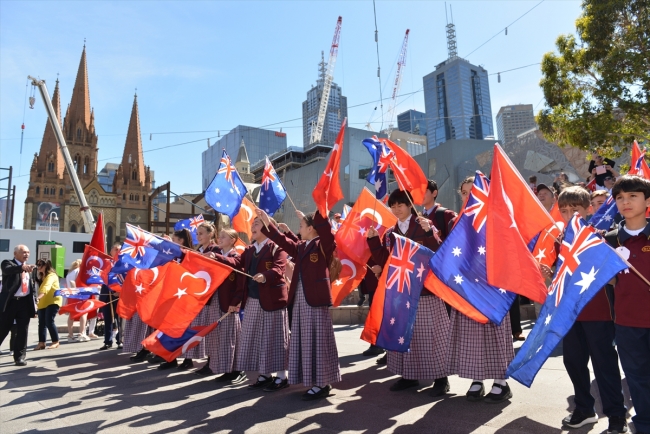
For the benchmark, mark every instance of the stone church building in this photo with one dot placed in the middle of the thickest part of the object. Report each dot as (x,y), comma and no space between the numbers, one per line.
(51,200)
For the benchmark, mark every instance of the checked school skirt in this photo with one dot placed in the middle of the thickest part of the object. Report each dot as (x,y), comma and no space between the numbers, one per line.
(135,331)
(221,343)
(479,351)
(313,357)
(264,345)
(427,355)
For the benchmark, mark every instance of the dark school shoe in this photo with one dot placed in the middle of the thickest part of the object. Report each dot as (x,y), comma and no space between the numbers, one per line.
(382,360)
(224,377)
(153,358)
(106,347)
(261,384)
(21,362)
(617,425)
(168,365)
(475,395)
(277,385)
(440,387)
(495,398)
(324,392)
(373,351)
(238,377)
(578,419)
(140,355)
(403,384)
(205,371)
(187,364)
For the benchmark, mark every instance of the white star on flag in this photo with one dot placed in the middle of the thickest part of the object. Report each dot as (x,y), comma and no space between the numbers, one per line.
(421,270)
(377,184)
(218,204)
(167,252)
(328,174)
(607,218)
(392,321)
(217,190)
(401,340)
(232,191)
(458,279)
(362,231)
(139,288)
(180,293)
(456,251)
(408,305)
(587,279)
(338,282)
(540,255)
(547,321)
(481,250)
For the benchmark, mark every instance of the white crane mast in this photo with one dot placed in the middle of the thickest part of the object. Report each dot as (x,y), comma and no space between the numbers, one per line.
(401,63)
(317,130)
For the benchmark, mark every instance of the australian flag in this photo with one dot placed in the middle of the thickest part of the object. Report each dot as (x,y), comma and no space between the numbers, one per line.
(403,279)
(585,264)
(460,261)
(604,216)
(142,249)
(381,157)
(272,192)
(191,224)
(226,191)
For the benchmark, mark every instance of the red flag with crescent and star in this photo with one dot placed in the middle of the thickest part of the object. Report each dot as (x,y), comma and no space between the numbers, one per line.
(408,173)
(98,241)
(94,268)
(80,308)
(136,285)
(351,236)
(328,189)
(244,219)
(185,289)
(351,275)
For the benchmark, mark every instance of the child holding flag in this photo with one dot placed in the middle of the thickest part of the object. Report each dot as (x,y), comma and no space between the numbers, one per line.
(632,294)
(592,336)
(427,356)
(264,344)
(313,357)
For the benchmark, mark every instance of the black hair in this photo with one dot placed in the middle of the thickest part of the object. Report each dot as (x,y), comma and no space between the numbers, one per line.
(48,269)
(432,185)
(630,184)
(400,196)
(186,237)
(309,219)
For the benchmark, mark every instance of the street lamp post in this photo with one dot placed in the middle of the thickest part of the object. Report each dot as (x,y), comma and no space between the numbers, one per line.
(56,219)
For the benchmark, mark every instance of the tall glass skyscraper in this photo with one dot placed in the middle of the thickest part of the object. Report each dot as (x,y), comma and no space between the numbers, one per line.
(457,102)
(413,122)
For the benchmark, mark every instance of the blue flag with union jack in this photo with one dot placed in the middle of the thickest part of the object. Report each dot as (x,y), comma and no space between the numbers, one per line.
(381,157)
(142,249)
(585,264)
(272,192)
(460,262)
(191,224)
(226,191)
(401,282)
(603,218)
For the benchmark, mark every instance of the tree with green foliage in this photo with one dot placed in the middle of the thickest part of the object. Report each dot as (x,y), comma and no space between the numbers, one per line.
(597,86)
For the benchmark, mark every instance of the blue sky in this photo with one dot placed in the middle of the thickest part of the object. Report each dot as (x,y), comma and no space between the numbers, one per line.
(212,65)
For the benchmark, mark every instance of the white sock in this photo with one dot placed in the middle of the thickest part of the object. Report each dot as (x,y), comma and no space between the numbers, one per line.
(496,390)
(263,377)
(476,387)
(314,390)
(282,375)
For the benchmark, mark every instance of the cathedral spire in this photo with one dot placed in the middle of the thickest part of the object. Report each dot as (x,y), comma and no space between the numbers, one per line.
(132,159)
(50,151)
(79,113)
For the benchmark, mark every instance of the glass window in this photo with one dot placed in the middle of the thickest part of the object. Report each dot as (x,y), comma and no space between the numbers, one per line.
(346,172)
(364,171)
(78,246)
(4,245)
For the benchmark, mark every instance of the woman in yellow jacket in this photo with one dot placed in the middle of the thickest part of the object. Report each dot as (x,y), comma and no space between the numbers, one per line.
(48,304)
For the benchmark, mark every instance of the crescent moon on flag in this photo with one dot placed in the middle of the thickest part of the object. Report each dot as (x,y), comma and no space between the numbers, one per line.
(98,259)
(248,210)
(352,267)
(154,270)
(90,307)
(373,213)
(185,274)
(240,249)
(135,272)
(208,281)
(190,340)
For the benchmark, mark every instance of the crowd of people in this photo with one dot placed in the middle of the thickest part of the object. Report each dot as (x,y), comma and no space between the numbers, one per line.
(286,336)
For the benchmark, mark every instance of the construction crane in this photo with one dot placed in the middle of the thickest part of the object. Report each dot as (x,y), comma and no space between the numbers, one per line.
(401,63)
(89,220)
(317,130)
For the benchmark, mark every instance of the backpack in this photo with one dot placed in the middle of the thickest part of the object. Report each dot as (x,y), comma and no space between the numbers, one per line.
(439,216)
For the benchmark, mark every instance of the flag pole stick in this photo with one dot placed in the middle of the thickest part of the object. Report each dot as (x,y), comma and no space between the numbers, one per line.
(631,267)
(290,200)
(224,315)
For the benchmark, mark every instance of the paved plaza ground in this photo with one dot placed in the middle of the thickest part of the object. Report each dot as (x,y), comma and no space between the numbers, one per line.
(77,389)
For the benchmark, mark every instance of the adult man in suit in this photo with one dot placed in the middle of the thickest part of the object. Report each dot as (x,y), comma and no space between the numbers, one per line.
(17,300)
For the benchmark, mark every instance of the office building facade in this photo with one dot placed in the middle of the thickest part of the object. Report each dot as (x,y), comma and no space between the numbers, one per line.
(412,122)
(457,102)
(513,120)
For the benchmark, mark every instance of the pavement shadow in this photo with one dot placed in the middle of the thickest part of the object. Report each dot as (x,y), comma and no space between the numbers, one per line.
(529,426)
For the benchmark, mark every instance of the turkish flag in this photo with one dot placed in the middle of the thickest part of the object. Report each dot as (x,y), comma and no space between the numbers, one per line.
(351,275)
(515,218)
(243,221)
(240,246)
(328,189)
(185,289)
(170,348)
(98,241)
(408,174)
(638,165)
(79,309)
(136,285)
(351,236)
(94,268)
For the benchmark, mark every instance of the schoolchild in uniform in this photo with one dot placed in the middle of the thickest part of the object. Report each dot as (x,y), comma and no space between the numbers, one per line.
(632,294)
(480,351)
(592,336)
(264,344)
(430,342)
(222,341)
(313,357)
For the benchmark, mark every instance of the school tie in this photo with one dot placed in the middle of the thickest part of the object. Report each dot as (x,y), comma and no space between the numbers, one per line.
(25,283)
